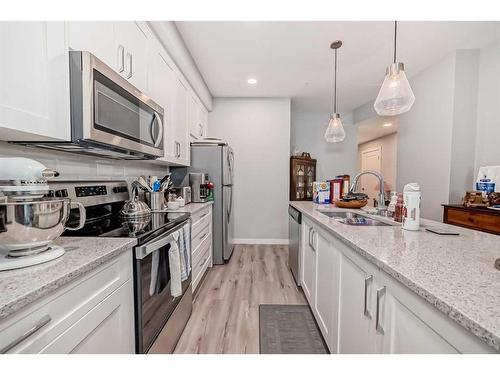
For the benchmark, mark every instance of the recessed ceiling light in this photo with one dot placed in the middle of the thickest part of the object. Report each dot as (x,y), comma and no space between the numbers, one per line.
(252,81)
(387,124)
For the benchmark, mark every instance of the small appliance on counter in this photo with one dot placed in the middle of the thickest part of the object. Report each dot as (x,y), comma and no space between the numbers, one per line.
(183,192)
(30,216)
(199,187)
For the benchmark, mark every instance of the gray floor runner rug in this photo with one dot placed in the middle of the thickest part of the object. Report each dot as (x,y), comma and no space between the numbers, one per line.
(289,329)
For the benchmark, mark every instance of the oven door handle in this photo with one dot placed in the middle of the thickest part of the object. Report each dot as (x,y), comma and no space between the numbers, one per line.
(143,251)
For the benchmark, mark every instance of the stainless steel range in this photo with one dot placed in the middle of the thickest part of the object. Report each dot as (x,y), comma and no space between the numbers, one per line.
(160,318)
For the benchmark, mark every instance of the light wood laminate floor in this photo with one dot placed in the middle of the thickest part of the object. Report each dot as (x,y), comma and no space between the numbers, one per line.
(225,316)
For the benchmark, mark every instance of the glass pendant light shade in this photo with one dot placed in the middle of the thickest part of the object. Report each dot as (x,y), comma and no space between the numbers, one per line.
(335,130)
(395,96)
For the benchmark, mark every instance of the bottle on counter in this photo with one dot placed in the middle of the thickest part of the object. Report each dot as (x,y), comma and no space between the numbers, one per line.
(392,204)
(398,210)
(411,206)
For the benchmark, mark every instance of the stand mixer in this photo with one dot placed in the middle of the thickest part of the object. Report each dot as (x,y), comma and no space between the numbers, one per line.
(29,219)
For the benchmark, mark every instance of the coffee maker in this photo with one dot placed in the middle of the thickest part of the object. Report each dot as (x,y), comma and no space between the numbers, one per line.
(199,188)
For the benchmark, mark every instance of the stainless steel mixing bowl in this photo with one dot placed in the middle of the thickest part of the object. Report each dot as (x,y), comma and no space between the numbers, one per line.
(27,227)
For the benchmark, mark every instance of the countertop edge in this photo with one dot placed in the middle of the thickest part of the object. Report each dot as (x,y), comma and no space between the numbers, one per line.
(463,320)
(16,305)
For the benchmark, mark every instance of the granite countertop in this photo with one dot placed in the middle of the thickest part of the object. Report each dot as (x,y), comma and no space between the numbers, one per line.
(23,286)
(455,274)
(192,208)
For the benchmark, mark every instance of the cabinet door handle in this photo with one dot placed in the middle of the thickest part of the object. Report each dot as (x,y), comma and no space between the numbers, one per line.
(129,60)
(312,240)
(366,312)
(41,323)
(201,129)
(120,58)
(378,326)
(310,230)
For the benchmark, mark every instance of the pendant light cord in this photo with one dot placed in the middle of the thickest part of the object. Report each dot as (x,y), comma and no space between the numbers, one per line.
(395,38)
(335,82)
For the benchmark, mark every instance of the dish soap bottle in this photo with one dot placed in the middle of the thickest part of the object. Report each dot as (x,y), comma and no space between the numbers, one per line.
(411,206)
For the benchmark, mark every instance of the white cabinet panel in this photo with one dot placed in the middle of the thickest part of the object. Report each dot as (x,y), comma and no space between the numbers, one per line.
(408,334)
(34,76)
(161,86)
(107,329)
(96,37)
(308,280)
(355,322)
(134,40)
(327,287)
(180,122)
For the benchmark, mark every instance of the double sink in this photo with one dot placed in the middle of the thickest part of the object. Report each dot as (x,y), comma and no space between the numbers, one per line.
(353,218)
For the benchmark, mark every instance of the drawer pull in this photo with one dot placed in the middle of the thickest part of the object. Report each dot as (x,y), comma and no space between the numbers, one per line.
(366,312)
(202,216)
(203,237)
(41,323)
(378,326)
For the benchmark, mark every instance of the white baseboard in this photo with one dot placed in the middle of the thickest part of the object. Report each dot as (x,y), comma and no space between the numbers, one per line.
(261,241)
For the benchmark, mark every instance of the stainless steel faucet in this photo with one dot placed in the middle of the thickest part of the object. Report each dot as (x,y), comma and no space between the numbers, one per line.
(381,197)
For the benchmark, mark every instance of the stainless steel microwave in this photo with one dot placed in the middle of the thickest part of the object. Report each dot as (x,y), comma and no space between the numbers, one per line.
(109,116)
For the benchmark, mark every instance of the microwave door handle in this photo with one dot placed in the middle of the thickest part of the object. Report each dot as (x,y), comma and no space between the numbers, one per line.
(156,123)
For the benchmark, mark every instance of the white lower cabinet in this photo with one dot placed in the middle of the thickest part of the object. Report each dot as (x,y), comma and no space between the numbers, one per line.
(361,309)
(355,313)
(93,314)
(308,269)
(201,244)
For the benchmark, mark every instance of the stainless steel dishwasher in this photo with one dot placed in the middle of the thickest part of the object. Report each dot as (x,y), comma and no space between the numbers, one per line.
(294,221)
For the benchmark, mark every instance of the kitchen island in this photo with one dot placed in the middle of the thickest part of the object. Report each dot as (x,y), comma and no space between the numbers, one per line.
(455,289)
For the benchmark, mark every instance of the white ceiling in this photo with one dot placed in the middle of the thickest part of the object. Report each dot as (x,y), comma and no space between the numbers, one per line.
(374,128)
(294,59)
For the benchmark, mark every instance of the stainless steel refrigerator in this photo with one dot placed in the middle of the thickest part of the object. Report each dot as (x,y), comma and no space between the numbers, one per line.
(218,161)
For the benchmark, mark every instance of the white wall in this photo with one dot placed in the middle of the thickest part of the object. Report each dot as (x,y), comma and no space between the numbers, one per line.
(488,108)
(307,133)
(80,167)
(258,130)
(388,145)
(424,137)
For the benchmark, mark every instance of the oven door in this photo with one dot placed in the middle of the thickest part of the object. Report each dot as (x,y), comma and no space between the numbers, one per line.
(153,300)
(107,109)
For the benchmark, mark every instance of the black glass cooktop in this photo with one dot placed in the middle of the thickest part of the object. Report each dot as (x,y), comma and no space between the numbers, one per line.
(105,221)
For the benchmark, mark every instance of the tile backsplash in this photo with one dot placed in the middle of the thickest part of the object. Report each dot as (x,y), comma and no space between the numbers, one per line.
(83,167)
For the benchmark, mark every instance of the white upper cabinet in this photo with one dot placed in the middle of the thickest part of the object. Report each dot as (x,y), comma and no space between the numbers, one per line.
(34,88)
(131,46)
(121,45)
(95,37)
(180,122)
(198,118)
(161,80)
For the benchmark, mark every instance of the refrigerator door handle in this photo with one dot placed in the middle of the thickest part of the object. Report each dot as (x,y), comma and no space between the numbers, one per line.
(230,209)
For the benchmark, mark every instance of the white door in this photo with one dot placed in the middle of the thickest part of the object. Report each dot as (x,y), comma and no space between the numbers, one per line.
(308,281)
(370,161)
(34,81)
(181,126)
(161,86)
(96,37)
(327,291)
(357,312)
(134,41)
(406,333)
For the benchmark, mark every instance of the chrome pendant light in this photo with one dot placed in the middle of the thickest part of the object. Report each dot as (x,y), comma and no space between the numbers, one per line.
(395,96)
(335,131)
